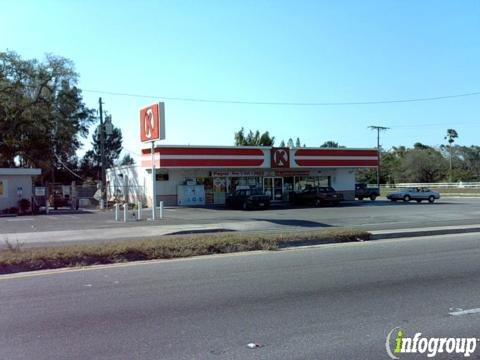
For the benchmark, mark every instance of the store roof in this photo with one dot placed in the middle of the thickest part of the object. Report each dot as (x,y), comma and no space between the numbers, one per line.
(20,171)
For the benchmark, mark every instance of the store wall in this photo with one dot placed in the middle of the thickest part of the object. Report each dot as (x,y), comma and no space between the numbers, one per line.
(167,189)
(126,183)
(344,182)
(14,188)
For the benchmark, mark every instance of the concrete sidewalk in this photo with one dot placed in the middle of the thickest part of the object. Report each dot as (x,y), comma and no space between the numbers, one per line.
(63,237)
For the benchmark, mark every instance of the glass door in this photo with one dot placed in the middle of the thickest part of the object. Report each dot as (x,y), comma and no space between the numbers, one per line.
(273,187)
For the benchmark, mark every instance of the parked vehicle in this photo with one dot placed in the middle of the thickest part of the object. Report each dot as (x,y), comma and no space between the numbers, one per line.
(362,191)
(318,195)
(417,194)
(248,199)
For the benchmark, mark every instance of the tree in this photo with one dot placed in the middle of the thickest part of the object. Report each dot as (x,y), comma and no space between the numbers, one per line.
(423,166)
(330,144)
(298,143)
(282,143)
(42,114)
(253,139)
(127,160)
(450,137)
(470,159)
(290,143)
(91,163)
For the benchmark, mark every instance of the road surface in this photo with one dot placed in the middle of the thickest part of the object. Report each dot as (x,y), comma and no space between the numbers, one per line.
(327,302)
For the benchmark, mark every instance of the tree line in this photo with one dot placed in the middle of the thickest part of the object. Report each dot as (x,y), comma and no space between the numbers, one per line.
(417,164)
(44,119)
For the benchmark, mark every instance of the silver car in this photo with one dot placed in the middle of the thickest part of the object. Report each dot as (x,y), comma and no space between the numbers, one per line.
(417,194)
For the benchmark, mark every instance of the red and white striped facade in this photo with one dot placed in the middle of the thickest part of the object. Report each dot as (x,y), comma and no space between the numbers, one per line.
(213,157)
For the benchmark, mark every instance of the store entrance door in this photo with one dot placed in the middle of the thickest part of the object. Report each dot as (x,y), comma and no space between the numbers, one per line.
(273,186)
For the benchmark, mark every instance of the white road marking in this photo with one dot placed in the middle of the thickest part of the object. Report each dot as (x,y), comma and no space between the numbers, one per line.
(465,312)
(20,219)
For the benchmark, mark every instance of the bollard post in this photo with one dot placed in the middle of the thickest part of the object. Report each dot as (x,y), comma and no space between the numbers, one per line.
(117,212)
(47,205)
(139,210)
(125,212)
(161,209)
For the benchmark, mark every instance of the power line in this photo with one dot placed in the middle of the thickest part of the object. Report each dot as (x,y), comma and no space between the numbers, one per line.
(67,168)
(283,103)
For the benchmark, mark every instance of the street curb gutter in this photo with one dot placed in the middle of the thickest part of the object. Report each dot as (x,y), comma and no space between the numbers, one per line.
(393,234)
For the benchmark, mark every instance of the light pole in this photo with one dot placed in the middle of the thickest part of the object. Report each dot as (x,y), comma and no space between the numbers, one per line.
(102,156)
(378,128)
(105,129)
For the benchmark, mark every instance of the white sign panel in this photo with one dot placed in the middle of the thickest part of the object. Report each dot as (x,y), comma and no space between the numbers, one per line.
(189,195)
(40,191)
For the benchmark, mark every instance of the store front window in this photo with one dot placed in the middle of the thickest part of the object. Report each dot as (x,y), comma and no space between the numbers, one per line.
(306,182)
(244,182)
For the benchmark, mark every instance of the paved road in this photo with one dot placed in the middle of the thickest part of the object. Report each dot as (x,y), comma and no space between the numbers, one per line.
(329,302)
(379,215)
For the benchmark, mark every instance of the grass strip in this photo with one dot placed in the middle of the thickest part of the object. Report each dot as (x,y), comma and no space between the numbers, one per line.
(15,258)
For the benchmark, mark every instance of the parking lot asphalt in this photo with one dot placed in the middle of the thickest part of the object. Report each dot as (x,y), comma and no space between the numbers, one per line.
(377,215)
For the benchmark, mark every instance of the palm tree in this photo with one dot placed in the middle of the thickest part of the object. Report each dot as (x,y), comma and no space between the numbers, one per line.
(450,137)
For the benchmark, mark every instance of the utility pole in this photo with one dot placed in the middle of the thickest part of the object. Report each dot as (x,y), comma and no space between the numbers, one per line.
(378,128)
(102,152)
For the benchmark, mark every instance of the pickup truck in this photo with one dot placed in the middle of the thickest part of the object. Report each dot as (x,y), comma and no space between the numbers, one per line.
(317,196)
(362,191)
(248,199)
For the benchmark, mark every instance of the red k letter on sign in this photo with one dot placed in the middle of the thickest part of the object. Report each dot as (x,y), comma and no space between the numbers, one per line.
(150,123)
(280,158)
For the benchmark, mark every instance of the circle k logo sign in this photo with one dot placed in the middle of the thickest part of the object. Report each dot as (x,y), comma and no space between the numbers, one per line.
(280,158)
(149,123)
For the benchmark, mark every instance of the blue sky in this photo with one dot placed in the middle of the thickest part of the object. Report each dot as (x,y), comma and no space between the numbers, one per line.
(273,51)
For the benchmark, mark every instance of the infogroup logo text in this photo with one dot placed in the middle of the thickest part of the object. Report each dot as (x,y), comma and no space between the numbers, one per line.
(398,343)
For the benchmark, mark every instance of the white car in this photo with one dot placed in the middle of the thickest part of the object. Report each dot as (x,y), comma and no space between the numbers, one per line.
(417,194)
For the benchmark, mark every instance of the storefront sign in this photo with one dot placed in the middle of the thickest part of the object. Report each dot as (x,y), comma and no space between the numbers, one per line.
(288,173)
(152,122)
(280,158)
(3,188)
(236,173)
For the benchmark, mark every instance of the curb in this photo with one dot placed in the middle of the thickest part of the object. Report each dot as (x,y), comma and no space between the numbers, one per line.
(379,235)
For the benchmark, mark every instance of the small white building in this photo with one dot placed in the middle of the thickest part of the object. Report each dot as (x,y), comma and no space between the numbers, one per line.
(16,184)
(204,175)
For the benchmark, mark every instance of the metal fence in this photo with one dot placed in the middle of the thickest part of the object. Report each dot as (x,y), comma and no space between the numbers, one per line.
(456,185)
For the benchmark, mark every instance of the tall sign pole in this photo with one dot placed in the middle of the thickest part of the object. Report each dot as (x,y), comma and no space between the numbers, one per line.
(378,128)
(152,128)
(154,183)
(102,154)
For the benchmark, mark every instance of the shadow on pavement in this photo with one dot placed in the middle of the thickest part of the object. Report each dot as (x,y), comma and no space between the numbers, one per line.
(295,222)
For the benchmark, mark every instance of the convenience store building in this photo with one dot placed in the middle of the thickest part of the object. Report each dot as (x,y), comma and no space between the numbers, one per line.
(204,175)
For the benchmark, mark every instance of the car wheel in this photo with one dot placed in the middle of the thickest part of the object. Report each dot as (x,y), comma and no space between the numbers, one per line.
(317,202)
(406,198)
(373,197)
(245,205)
(431,199)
